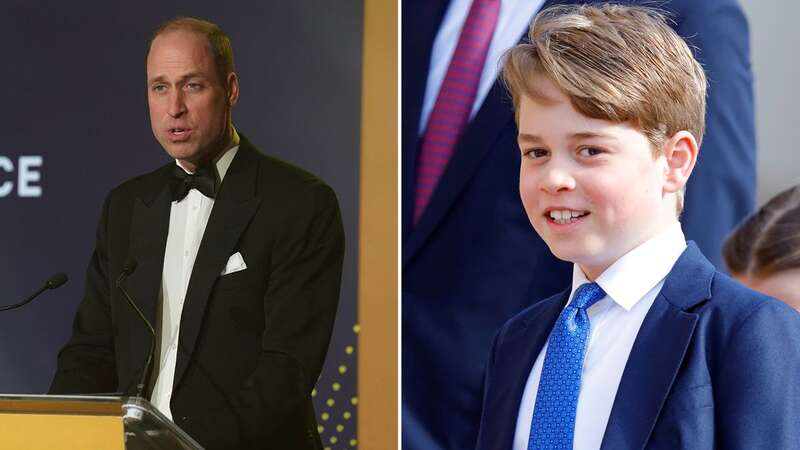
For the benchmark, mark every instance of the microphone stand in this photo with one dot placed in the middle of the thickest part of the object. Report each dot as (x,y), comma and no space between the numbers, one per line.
(52,283)
(126,271)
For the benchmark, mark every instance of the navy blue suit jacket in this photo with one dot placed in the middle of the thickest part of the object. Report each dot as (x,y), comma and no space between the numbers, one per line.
(473,260)
(714,365)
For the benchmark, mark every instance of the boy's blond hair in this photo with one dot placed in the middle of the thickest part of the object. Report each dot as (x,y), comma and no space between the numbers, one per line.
(614,62)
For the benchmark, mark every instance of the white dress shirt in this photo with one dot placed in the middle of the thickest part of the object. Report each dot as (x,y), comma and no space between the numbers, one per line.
(187,223)
(512,23)
(631,284)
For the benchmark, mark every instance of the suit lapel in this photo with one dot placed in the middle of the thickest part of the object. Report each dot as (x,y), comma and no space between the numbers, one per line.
(476,142)
(515,355)
(234,206)
(658,352)
(148,239)
(655,359)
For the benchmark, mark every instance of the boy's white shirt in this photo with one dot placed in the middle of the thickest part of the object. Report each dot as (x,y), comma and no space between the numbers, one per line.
(631,284)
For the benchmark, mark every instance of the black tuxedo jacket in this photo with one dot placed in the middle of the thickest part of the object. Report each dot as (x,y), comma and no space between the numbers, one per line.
(252,343)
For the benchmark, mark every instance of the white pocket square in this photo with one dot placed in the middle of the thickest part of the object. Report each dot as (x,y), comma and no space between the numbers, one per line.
(235,264)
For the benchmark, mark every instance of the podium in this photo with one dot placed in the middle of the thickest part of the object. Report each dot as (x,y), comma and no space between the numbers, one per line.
(35,422)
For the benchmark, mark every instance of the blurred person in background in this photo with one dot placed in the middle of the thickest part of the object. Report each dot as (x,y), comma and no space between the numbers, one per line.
(764,250)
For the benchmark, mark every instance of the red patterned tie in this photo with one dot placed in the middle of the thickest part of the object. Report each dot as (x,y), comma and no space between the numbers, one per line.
(451,111)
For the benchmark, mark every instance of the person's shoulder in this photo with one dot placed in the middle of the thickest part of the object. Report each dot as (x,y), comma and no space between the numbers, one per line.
(695,286)
(733,306)
(740,298)
(292,191)
(274,171)
(141,186)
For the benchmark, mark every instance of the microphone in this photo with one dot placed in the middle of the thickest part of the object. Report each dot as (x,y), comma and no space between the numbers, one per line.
(127,270)
(53,282)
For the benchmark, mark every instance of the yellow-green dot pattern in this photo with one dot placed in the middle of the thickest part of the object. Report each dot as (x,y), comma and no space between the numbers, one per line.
(335,396)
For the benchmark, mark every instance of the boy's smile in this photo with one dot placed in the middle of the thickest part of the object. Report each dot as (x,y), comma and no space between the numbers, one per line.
(593,189)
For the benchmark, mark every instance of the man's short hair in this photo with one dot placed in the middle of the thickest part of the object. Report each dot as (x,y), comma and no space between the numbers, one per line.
(614,62)
(218,41)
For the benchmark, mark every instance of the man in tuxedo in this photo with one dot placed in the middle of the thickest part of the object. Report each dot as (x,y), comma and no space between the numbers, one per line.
(470,259)
(234,255)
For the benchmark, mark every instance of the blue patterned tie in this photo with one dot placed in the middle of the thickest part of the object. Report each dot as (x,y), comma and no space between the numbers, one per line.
(553,424)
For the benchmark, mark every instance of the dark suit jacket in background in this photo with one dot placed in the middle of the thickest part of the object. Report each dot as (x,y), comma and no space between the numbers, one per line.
(252,343)
(713,366)
(473,260)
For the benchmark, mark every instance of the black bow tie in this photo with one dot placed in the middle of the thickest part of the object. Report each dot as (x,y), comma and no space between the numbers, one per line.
(204,180)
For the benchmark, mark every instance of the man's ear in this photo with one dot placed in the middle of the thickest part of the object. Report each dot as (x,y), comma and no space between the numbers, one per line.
(232,85)
(680,152)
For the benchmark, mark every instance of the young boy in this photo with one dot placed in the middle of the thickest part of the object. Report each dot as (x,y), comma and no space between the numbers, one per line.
(651,347)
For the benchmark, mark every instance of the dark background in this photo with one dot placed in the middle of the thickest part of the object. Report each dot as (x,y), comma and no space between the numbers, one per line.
(72,90)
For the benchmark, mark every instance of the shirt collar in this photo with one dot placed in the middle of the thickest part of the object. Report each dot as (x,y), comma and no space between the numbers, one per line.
(637,272)
(223,161)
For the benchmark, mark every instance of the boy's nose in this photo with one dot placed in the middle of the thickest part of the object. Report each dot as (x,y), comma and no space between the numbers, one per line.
(557,179)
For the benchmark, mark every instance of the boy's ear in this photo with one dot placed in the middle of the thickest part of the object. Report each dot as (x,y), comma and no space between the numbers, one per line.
(680,152)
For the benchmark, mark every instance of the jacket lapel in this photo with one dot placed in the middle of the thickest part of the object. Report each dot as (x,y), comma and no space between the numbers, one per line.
(515,354)
(476,142)
(148,239)
(658,352)
(234,206)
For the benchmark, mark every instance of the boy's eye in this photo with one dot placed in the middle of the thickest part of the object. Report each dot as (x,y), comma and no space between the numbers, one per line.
(534,153)
(194,86)
(159,88)
(589,151)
